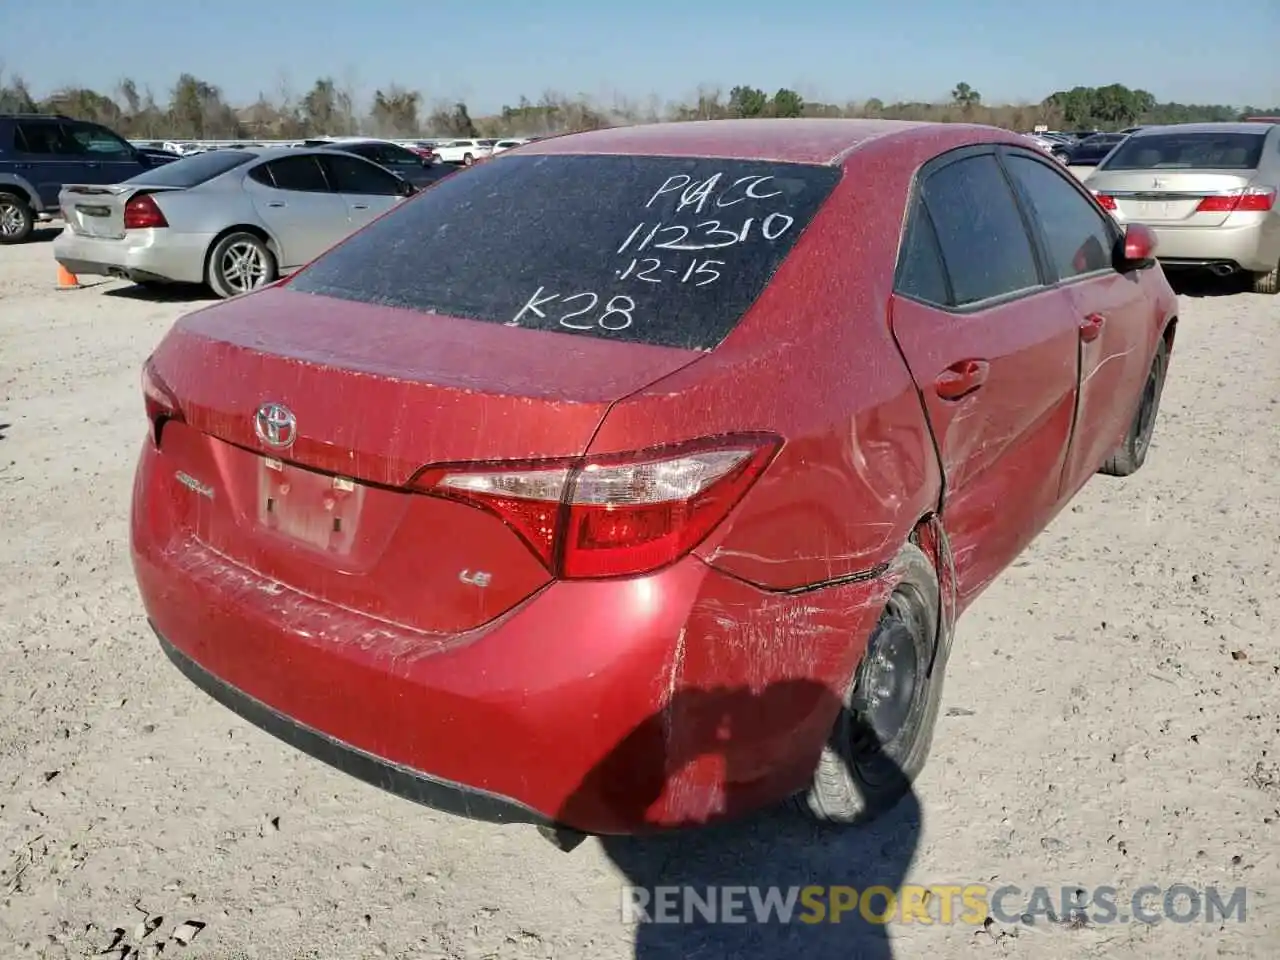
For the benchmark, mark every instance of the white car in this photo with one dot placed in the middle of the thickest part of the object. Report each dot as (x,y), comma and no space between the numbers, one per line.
(501,145)
(462,151)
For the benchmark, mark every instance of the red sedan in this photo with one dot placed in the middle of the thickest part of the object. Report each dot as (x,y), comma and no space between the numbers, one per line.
(637,478)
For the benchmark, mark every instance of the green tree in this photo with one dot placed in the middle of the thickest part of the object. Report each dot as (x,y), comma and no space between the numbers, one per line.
(965,96)
(787,103)
(747,102)
(395,111)
(327,110)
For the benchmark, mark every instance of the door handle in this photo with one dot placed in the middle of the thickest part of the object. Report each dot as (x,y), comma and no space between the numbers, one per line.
(275,203)
(92,166)
(359,206)
(961,379)
(1091,327)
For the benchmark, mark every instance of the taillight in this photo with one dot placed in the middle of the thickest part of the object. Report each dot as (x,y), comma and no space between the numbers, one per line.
(160,402)
(142,213)
(1107,201)
(1246,200)
(618,515)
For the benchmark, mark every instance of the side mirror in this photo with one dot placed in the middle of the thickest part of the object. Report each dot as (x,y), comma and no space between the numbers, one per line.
(1136,250)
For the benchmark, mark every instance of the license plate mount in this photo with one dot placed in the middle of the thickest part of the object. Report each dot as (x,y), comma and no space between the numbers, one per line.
(314,509)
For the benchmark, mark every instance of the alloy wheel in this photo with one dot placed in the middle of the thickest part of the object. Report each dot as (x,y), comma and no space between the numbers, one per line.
(243,266)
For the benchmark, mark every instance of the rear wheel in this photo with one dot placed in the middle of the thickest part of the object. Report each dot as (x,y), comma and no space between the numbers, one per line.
(468,159)
(1132,452)
(17,219)
(882,737)
(239,263)
(1268,283)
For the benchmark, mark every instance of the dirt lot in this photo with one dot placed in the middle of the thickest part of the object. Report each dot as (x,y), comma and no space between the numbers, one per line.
(1111,717)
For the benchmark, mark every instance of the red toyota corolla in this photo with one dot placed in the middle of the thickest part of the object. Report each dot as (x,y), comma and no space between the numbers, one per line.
(636,478)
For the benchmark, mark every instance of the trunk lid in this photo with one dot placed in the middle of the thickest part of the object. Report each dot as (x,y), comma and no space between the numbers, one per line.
(1168,197)
(93,210)
(377,394)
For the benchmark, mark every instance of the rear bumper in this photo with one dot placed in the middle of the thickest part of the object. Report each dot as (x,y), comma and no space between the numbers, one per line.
(1254,247)
(411,784)
(155,255)
(601,706)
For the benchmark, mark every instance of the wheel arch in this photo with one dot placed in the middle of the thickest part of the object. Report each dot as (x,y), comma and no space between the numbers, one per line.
(1168,333)
(21,190)
(930,536)
(249,228)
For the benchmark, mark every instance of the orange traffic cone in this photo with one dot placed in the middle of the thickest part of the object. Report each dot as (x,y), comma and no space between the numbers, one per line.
(66,279)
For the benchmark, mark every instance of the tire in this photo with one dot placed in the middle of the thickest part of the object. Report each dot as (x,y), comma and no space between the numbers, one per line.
(1268,283)
(17,219)
(239,263)
(1132,452)
(468,160)
(860,775)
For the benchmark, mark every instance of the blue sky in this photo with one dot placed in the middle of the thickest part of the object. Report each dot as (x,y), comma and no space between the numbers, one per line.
(489,52)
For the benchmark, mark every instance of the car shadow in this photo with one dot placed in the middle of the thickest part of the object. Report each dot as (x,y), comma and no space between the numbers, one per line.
(4,430)
(44,234)
(1202,283)
(773,854)
(163,292)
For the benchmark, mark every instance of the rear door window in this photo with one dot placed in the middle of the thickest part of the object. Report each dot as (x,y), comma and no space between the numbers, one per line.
(921,274)
(194,170)
(660,250)
(1189,151)
(45,137)
(981,233)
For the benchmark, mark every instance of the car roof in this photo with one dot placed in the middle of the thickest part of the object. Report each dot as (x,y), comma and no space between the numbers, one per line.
(817,140)
(275,153)
(1221,127)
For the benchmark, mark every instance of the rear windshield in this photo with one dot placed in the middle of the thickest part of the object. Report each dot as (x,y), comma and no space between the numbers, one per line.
(1190,151)
(659,250)
(194,170)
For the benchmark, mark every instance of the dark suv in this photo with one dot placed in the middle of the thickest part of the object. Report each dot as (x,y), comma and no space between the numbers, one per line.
(40,153)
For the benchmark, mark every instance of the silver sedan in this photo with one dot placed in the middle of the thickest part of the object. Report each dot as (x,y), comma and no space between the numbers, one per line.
(234,219)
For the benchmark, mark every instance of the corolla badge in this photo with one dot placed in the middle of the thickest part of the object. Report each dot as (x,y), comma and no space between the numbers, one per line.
(275,425)
(191,483)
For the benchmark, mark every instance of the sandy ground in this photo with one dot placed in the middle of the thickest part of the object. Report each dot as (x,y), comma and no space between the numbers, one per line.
(1111,717)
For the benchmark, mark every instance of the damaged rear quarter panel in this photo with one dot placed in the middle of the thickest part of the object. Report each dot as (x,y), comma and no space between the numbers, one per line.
(755,684)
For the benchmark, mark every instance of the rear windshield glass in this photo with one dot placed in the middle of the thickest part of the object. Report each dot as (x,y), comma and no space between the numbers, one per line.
(659,250)
(1190,151)
(194,170)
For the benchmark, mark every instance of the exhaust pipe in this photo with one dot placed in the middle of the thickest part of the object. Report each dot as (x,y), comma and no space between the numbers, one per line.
(1222,269)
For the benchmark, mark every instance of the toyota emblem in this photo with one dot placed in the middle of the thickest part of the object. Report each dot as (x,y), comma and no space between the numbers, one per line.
(275,425)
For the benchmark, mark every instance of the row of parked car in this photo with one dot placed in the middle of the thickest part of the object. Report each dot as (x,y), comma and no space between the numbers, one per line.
(459,151)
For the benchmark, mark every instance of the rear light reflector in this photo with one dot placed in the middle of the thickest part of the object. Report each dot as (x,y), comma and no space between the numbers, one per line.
(142,213)
(1107,201)
(1247,200)
(160,402)
(618,515)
